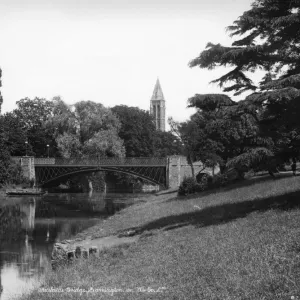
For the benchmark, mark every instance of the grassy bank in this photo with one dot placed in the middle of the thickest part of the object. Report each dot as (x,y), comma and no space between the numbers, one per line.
(238,243)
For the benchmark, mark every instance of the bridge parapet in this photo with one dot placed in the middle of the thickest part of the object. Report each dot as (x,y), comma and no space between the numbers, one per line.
(140,161)
(44,161)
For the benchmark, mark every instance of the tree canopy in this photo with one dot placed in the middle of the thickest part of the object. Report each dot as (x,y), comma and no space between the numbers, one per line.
(137,130)
(86,129)
(32,116)
(141,139)
(264,123)
(269,40)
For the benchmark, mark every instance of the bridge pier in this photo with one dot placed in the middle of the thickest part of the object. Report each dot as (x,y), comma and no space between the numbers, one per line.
(27,166)
(178,168)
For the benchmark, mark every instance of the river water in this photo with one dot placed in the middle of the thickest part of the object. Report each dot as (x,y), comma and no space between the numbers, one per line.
(29,227)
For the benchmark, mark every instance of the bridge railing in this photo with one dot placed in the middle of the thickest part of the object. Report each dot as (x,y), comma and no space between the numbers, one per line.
(126,161)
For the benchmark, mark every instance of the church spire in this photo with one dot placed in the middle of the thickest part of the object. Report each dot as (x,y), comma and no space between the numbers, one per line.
(157,92)
(158,108)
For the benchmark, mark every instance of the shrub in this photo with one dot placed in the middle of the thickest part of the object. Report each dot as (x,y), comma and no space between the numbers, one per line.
(189,185)
(204,182)
(203,179)
(12,174)
(219,180)
(223,179)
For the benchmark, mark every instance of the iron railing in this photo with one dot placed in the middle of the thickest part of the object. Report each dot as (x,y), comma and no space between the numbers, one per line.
(126,161)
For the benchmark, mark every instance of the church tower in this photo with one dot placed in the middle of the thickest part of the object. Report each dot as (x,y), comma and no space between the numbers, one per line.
(158,107)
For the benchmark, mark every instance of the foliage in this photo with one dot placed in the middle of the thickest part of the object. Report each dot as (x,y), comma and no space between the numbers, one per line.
(203,182)
(251,159)
(91,117)
(223,179)
(219,131)
(14,136)
(141,139)
(87,129)
(269,41)
(69,145)
(32,115)
(15,174)
(4,164)
(193,141)
(210,102)
(204,179)
(166,143)
(137,131)
(4,154)
(189,185)
(246,134)
(105,143)
(9,171)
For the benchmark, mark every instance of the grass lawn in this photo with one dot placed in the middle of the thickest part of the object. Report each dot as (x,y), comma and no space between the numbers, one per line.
(241,242)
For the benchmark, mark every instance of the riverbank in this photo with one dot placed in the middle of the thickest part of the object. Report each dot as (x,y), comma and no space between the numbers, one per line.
(2,192)
(241,242)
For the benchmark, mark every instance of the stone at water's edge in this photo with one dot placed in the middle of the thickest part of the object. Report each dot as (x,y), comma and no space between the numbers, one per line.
(66,251)
(59,255)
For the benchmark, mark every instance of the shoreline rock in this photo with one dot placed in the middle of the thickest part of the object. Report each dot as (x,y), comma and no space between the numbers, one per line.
(67,251)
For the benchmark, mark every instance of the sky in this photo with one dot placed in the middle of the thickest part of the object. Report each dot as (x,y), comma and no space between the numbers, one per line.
(111,51)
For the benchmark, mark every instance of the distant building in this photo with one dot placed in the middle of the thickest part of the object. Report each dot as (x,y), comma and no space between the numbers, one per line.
(158,107)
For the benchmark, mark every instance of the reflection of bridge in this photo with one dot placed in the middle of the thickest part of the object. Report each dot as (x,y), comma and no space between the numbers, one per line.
(167,172)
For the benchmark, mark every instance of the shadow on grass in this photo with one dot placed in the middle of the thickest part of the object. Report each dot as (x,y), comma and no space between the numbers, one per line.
(235,185)
(214,215)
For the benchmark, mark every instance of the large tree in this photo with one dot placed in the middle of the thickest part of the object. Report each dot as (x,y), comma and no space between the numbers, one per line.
(14,135)
(166,143)
(267,38)
(230,132)
(10,172)
(141,139)
(269,41)
(86,129)
(137,130)
(32,116)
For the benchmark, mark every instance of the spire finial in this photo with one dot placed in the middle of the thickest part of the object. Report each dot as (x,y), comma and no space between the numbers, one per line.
(157,92)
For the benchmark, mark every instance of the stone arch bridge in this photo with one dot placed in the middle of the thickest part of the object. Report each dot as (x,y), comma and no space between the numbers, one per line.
(167,172)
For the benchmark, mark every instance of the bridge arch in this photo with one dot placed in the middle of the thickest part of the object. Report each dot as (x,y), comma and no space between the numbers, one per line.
(46,174)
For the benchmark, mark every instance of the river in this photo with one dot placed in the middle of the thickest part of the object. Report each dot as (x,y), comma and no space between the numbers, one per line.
(29,227)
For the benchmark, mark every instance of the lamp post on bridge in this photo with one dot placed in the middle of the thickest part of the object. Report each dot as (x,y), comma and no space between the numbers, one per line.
(48,150)
(26,144)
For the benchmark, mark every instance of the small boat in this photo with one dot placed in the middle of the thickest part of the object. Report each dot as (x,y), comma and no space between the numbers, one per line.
(22,192)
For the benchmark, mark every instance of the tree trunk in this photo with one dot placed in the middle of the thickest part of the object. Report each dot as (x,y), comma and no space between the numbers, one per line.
(190,162)
(222,168)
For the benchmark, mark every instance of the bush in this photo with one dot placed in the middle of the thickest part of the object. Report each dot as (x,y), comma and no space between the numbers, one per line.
(204,180)
(189,185)
(219,180)
(223,179)
(12,174)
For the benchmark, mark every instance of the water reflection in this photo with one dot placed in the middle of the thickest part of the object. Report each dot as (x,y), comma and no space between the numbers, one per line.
(29,226)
